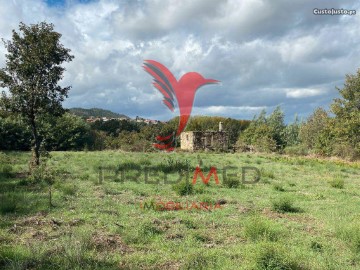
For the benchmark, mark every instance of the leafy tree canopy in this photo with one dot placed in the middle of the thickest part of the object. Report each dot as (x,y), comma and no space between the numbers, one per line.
(32,72)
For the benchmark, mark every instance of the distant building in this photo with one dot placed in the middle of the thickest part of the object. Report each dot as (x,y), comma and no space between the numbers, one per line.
(204,140)
(92,119)
(146,121)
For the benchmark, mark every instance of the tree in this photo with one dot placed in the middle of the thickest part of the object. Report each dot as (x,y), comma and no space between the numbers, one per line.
(68,132)
(32,72)
(347,114)
(248,136)
(261,119)
(315,132)
(113,127)
(276,123)
(291,133)
(234,127)
(14,134)
(265,133)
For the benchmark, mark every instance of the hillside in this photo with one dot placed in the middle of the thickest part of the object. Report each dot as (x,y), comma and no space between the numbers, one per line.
(95,112)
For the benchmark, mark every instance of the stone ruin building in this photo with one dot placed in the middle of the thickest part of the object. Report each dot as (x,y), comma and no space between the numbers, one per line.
(204,140)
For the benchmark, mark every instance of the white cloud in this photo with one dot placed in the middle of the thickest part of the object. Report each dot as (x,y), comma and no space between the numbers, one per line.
(301,93)
(264,53)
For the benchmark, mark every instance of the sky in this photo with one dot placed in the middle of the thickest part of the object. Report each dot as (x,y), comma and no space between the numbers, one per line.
(265,53)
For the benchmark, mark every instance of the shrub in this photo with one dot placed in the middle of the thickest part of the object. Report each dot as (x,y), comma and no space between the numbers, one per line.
(150,229)
(207,199)
(69,189)
(84,176)
(267,174)
(3,158)
(74,249)
(337,182)
(189,224)
(232,183)
(10,202)
(278,187)
(265,144)
(201,261)
(200,189)
(202,237)
(183,188)
(270,257)
(316,246)
(292,184)
(6,170)
(351,235)
(296,150)
(43,173)
(283,205)
(241,146)
(170,165)
(346,151)
(258,228)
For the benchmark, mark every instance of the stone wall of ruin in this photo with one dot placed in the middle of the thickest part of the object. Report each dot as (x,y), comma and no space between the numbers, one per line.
(204,140)
(187,141)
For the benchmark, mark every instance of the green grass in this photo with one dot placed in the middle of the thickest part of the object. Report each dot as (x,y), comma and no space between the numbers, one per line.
(183,188)
(10,202)
(270,257)
(6,170)
(302,214)
(259,228)
(284,204)
(337,182)
(279,187)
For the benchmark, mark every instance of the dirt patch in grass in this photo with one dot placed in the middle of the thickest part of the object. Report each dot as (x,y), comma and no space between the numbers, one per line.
(162,224)
(40,227)
(243,209)
(234,240)
(28,223)
(109,242)
(22,175)
(39,235)
(174,236)
(111,212)
(172,265)
(41,219)
(38,219)
(99,193)
(169,265)
(276,215)
(308,222)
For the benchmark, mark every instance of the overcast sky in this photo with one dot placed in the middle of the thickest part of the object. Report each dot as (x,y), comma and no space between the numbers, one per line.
(265,53)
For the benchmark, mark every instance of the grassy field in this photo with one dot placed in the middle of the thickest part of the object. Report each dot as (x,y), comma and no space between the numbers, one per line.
(302,214)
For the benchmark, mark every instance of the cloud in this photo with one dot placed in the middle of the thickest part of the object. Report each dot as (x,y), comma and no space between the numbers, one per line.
(265,54)
(300,93)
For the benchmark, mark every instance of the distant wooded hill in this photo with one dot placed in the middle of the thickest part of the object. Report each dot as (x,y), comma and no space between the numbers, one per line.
(96,112)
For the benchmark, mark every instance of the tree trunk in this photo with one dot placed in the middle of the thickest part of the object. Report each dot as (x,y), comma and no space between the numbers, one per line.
(36,142)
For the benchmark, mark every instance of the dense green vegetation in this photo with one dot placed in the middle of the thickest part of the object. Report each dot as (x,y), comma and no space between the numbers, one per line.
(321,134)
(70,132)
(302,214)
